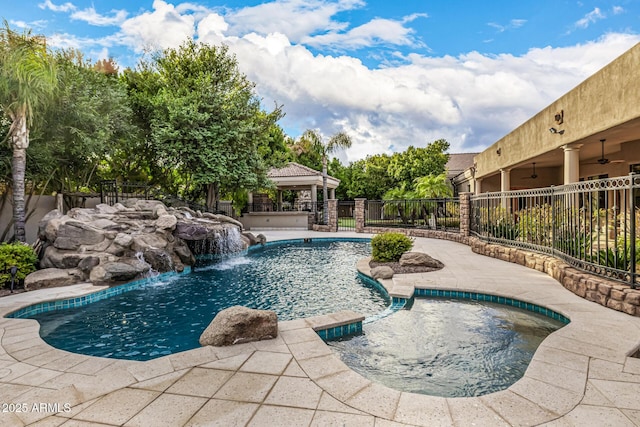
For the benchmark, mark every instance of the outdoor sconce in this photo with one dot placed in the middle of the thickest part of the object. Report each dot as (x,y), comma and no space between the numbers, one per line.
(559,117)
(554,130)
(13,271)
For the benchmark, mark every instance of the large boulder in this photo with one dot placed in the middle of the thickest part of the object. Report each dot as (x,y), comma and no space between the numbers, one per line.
(191,231)
(237,324)
(419,259)
(158,259)
(51,278)
(72,234)
(117,272)
(382,272)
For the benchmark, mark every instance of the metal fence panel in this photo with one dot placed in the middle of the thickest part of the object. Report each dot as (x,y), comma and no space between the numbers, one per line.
(346,215)
(591,225)
(436,214)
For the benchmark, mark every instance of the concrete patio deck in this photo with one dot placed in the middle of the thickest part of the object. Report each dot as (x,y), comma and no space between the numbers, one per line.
(581,374)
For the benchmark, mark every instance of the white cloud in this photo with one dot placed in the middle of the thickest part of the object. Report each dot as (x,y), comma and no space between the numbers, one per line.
(471,100)
(29,25)
(90,16)
(617,10)
(374,32)
(65,7)
(162,28)
(294,18)
(513,24)
(591,17)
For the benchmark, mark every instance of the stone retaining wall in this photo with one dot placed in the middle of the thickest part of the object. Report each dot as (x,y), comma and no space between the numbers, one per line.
(608,293)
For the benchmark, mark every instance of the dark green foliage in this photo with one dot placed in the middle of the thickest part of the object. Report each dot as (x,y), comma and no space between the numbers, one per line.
(503,230)
(20,255)
(389,247)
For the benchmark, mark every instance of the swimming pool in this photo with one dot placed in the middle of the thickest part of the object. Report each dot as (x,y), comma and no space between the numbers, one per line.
(448,347)
(295,279)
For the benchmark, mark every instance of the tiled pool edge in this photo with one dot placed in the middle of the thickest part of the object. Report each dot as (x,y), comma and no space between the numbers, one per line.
(416,291)
(478,296)
(61,304)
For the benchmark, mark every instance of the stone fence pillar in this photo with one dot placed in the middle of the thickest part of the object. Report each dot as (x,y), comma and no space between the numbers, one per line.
(360,215)
(332,220)
(465,213)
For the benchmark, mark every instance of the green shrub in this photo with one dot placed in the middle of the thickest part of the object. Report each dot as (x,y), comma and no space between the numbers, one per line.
(387,247)
(19,254)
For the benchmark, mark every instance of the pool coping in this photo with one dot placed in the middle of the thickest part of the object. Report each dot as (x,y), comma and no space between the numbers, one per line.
(581,372)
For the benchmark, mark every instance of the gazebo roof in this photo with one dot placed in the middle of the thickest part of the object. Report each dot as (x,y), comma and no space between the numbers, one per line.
(295,175)
(293,169)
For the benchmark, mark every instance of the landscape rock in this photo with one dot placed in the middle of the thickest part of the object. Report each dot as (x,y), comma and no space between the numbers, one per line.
(419,259)
(123,242)
(166,222)
(51,278)
(237,324)
(382,272)
(115,272)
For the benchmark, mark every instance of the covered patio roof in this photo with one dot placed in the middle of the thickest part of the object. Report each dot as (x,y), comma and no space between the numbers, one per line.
(295,176)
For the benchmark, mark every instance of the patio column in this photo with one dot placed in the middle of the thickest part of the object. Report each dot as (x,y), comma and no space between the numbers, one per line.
(571,163)
(478,185)
(505,185)
(314,194)
(250,202)
(332,193)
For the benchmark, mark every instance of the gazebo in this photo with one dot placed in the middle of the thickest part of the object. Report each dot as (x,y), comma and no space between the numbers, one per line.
(300,178)
(266,214)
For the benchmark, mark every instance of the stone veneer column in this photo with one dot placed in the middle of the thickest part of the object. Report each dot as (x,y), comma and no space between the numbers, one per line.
(465,213)
(332,206)
(359,215)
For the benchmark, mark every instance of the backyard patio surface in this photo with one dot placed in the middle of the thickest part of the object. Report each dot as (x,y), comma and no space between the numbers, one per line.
(581,375)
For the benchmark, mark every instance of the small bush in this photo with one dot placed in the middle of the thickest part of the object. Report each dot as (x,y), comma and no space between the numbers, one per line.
(19,254)
(389,247)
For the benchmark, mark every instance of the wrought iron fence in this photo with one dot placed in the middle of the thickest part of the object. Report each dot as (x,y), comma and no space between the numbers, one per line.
(436,214)
(591,225)
(284,207)
(112,192)
(346,215)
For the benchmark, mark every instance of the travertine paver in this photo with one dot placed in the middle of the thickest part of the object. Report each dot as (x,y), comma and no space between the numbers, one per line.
(580,375)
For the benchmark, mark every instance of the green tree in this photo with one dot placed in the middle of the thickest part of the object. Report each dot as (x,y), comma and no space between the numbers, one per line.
(325,148)
(305,153)
(369,177)
(206,123)
(433,186)
(87,123)
(27,80)
(414,162)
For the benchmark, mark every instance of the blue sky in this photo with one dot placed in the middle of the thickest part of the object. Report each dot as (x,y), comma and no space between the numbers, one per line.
(389,73)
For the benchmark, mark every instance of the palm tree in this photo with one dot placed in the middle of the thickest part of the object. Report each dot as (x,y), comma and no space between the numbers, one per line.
(27,80)
(339,140)
(433,186)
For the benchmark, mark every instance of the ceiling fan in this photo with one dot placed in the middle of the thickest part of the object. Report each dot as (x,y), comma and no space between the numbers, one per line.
(602,160)
(533,175)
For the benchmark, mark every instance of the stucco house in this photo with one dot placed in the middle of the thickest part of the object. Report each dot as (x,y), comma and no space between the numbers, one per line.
(593,131)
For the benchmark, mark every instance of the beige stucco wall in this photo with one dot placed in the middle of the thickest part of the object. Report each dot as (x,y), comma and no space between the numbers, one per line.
(275,220)
(609,98)
(42,204)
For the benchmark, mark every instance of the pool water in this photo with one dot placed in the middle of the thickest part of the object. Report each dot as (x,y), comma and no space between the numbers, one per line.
(448,347)
(294,279)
